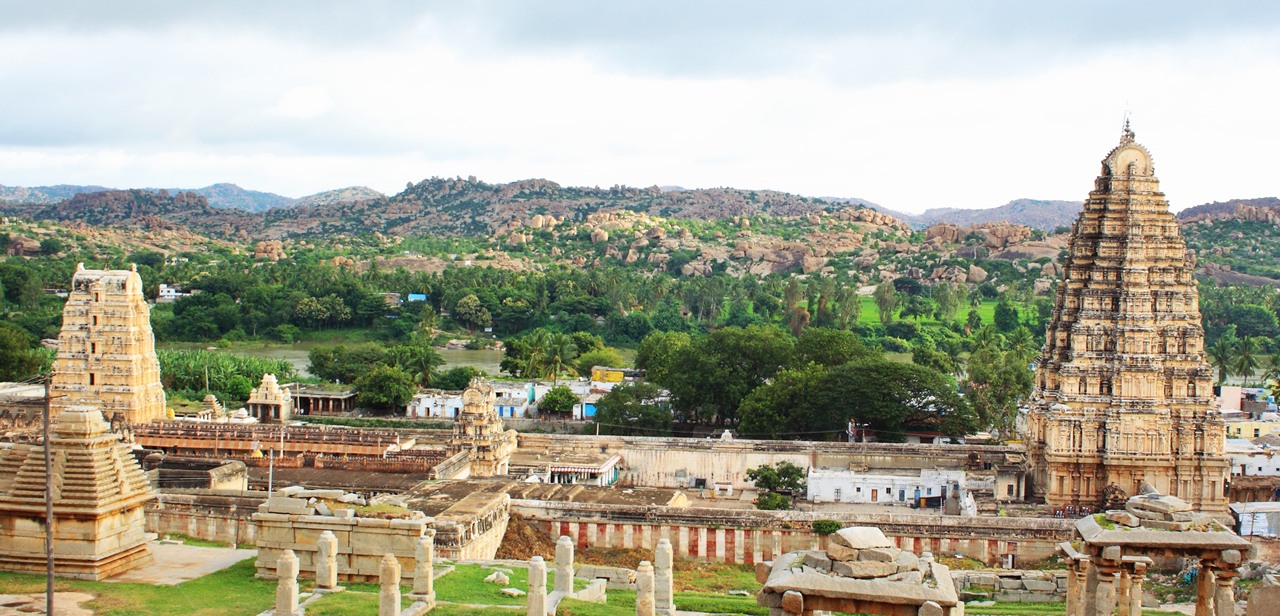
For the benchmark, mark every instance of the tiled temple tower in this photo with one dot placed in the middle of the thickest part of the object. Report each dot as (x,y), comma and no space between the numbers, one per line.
(1122,394)
(106,351)
(479,429)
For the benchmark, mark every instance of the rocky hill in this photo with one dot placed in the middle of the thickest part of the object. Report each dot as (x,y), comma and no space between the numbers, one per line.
(1034,213)
(1264,208)
(44,194)
(141,209)
(350,194)
(227,195)
(456,206)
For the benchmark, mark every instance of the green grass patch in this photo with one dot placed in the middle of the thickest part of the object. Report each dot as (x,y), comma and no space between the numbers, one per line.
(465,584)
(197,542)
(350,604)
(714,577)
(1038,609)
(230,592)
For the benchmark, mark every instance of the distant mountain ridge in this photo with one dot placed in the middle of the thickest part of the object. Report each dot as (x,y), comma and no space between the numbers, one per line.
(223,195)
(1043,214)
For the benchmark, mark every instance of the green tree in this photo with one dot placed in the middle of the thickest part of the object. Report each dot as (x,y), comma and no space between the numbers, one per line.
(607,357)
(1006,316)
(1222,356)
(456,378)
(787,407)
(345,364)
(385,388)
(633,409)
(886,298)
(1247,359)
(17,360)
(658,352)
(471,314)
(710,377)
(829,347)
(420,360)
(948,296)
(783,479)
(559,400)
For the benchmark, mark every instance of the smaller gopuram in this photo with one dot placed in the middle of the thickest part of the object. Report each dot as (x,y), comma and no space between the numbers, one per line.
(268,403)
(479,429)
(106,351)
(99,492)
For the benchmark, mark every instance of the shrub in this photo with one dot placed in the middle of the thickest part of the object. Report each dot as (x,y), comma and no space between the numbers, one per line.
(826,527)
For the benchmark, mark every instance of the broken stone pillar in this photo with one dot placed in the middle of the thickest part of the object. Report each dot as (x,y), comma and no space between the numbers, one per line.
(1075,586)
(929,608)
(644,589)
(663,579)
(1204,591)
(1224,598)
(327,561)
(287,584)
(537,587)
(1105,594)
(564,565)
(424,584)
(389,577)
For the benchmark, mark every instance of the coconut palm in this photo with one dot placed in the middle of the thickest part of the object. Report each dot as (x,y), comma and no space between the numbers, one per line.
(1222,357)
(556,357)
(1246,360)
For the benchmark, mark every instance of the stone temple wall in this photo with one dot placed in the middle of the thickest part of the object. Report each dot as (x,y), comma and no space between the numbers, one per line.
(748,536)
(362,542)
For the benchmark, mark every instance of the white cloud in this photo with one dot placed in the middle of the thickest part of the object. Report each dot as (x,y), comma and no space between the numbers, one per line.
(914,116)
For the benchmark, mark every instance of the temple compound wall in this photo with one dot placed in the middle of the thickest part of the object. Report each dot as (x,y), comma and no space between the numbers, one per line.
(289,523)
(748,536)
(205,514)
(680,462)
(1123,397)
(106,351)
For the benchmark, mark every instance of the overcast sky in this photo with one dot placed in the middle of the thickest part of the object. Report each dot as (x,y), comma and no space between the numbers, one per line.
(908,104)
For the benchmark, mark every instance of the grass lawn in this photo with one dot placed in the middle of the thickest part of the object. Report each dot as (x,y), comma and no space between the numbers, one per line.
(230,592)
(1039,609)
(870,315)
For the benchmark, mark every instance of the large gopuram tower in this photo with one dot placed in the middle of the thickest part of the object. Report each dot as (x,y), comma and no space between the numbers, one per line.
(106,351)
(1123,395)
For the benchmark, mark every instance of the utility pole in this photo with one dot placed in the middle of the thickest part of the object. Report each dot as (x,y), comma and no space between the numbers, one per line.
(48,498)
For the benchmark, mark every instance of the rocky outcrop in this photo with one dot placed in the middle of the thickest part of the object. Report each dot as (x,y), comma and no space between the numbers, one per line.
(269,250)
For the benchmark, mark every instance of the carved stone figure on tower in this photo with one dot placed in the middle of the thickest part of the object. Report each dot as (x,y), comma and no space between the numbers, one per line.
(1123,396)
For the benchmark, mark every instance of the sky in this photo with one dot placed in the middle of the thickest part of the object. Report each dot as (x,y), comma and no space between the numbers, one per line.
(911,105)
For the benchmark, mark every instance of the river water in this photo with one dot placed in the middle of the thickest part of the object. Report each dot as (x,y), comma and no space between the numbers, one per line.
(296,354)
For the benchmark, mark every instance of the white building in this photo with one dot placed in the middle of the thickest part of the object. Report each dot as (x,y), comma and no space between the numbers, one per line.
(827,485)
(1249,460)
(511,400)
(170,293)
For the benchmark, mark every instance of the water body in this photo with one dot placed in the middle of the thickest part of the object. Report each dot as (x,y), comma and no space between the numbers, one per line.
(296,354)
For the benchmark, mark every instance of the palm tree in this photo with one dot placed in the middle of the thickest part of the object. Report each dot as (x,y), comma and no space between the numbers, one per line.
(422,362)
(1272,375)
(1247,350)
(558,355)
(1222,357)
(1022,343)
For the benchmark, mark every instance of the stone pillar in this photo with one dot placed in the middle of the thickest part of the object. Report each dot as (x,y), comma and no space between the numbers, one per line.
(564,565)
(644,589)
(1122,594)
(1105,594)
(664,579)
(327,561)
(1075,586)
(1136,577)
(537,587)
(1224,597)
(287,584)
(424,585)
(1204,590)
(389,596)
